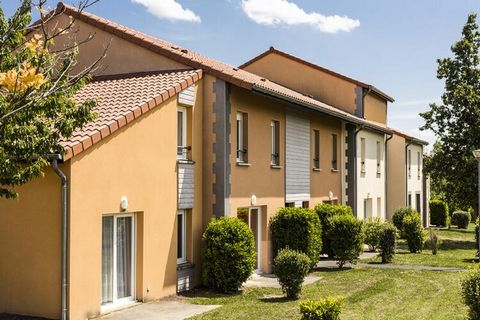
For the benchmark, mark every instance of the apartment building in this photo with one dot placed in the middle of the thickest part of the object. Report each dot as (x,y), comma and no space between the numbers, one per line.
(180,139)
(363,146)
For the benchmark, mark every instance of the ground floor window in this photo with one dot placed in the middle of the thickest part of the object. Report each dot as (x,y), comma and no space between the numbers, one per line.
(181,236)
(118,256)
(417,203)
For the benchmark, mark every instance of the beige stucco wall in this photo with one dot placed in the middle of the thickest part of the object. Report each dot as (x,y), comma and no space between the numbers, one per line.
(138,161)
(30,248)
(295,75)
(375,108)
(122,56)
(326,179)
(259,179)
(396,183)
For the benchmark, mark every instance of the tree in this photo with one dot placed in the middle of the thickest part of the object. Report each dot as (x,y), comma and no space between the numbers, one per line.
(456,121)
(37,85)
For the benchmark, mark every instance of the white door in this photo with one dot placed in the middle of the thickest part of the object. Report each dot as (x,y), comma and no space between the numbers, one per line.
(118,256)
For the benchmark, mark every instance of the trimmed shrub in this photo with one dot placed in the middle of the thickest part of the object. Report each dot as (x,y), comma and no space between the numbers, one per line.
(229,254)
(438,213)
(398,216)
(387,241)
(471,293)
(324,211)
(372,232)
(346,238)
(324,309)
(298,229)
(476,238)
(461,219)
(291,268)
(413,231)
(434,240)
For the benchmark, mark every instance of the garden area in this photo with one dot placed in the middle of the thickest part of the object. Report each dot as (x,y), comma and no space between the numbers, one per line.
(393,281)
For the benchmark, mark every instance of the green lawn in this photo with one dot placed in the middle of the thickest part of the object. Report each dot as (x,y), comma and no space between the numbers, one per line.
(369,294)
(458,250)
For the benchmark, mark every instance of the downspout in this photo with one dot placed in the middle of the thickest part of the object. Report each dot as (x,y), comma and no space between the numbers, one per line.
(406,173)
(386,173)
(64,183)
(355,187)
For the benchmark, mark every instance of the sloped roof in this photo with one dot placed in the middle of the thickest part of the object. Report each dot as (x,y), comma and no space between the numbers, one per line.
(320,68)
(233,75)
(122,99)
(409,138)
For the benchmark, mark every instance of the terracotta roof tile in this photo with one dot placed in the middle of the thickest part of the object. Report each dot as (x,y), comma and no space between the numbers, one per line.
(121,99)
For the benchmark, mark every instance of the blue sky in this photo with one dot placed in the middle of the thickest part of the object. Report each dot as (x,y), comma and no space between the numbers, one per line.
(390,44)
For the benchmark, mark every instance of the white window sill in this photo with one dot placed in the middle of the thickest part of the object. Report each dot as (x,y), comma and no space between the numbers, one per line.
(275,166)
(333,170)
(317,169)
(243,164)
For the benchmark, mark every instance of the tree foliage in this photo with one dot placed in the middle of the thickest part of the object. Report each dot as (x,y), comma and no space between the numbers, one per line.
(37,85)
(456,121)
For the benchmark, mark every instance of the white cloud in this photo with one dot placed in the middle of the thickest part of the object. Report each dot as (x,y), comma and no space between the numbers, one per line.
(169,9)
(283,12)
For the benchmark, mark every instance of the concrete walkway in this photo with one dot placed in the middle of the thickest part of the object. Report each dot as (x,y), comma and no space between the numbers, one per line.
(265,280)
(160,310)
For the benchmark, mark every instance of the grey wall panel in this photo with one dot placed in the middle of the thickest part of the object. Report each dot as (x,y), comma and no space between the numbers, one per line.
(297,153)
(186,185)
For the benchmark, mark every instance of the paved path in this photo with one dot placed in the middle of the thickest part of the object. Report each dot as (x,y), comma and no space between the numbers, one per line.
(160,310)
(270,281)
(330,264)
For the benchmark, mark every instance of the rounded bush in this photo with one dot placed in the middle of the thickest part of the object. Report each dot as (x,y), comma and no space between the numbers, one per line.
(325,211)
(434,240)
(372,232)
(398,216)
(291,268)
(324,309)
(298,229)
(387,241)
(229,254)
(461,219)
(471,293)
(346,238)
(438,213)
(413,231)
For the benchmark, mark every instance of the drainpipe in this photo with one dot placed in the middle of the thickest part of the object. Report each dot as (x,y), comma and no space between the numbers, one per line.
(356,169)
(406,173)
(64,183)
(386,173)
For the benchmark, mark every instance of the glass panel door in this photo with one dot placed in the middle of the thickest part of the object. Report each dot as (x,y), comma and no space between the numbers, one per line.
(255,225)
(117,259)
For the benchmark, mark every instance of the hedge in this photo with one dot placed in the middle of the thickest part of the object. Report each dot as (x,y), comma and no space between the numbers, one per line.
(325,211)
(298,229)
(438,213)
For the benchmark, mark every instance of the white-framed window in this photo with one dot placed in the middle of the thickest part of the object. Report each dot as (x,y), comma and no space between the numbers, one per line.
(181,236)
(275,143)
(419,165)
(362,155)
(334,152)
(409,163)
(379,157)
(242,136)
(316,149)
(182,148)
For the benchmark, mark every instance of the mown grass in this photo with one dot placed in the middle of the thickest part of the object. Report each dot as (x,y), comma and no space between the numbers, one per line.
(369,294)
(457,250)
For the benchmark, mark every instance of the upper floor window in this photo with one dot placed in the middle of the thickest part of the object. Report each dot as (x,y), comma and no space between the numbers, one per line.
(182,148)
(419,165)
(242,137)
(334,152)
(362,155)
(275,143)
(409,163)
(316,149)
(379,157)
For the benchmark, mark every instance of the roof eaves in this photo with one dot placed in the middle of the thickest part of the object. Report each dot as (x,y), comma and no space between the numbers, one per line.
(337,114)
(124,119)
